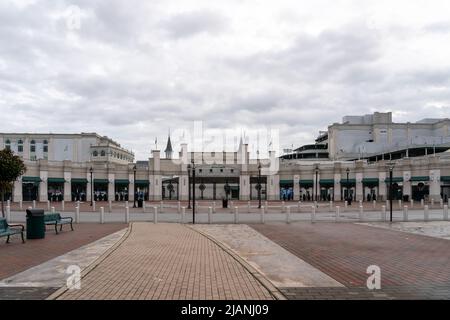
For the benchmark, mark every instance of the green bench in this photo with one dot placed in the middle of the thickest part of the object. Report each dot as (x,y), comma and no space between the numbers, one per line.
(56,220)
(7,230)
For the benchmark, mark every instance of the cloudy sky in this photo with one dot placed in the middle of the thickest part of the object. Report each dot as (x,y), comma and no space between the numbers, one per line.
(133,69)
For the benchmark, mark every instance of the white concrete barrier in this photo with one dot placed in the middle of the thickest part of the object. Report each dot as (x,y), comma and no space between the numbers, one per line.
(405,213)
(387,203)
(48,205)
(412,203)
(345,204)
(126,204)
(93,206)
(313,214)
(110,205)
(426,213)
(331,206)
(161,207)
(34,204)
(374,202)
(179,207)
(143,206)
(8,214)
(360,202)
(422,203)
(432,202)
(441,202)
(288,214)
(210,215)
(8,203)
(338,213)
(155,214)
(298,206)
(445,213)
(53,210)
(263,213)
(63,206)
(383,213)
(248,207)
(77,214)
(361,213)
(400,204)
(283,207)
(102,215)
(183,214)
(127,215)
(214,206)
(236,215)
(21,204)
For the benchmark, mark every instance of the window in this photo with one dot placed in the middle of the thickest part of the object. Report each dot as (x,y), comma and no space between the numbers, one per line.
(32,146)
(45,146)
(8,144)
(211,170)
(95,153)
(103,153)
(200,170)
(20,145)
(232,170)
(33,157)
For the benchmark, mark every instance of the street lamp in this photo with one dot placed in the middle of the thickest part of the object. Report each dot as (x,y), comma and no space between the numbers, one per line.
(134,186)
(193,192)
(92,187)
(259,185)
(315,189)
(391,170)
(347,198)
(189,185)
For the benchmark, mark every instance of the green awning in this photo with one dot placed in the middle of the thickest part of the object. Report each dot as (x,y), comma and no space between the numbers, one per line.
(31,179)
(422,178)
(394,179)
(142,182)
(349,181)
(79,180)
(56,180)
(445,178)
(371,180)
(101,181)
(326,182)
(284,182)
(306,182)
(121,181)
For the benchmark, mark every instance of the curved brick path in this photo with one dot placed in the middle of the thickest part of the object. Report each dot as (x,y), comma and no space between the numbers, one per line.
(168,261)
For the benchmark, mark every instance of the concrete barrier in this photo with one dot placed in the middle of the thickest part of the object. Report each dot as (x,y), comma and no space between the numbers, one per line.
(110,206)
(102,215)
(161,207)
(183,214)
(445,213)
(432,203)
(143,206)
(236,215)
(399,204)
(52,210)
(21,204)
(422,203)
(426,213)
(288,214)
(313,214)
(8,214)
(248,206)
(283,207)
(34,204)
(77,214)
(361,213)
(441,203)
(210,211)
(331,206)
(63,206)
(179,207)
(48,205)
(338,213)
(346,204)
(412,203)
(127,215)
(383,213)
(374,204)
(405,213)
(263,213)
(214,206)
(155,214)
(93,206)
(298,206)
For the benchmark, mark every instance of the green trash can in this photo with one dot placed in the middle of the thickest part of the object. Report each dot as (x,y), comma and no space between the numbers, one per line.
(35,224)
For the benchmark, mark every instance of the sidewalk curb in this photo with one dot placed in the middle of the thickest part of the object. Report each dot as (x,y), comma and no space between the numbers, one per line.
(258,276)
(94,264)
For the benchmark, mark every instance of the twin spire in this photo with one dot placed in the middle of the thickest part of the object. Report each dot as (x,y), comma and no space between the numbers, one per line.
(169,150)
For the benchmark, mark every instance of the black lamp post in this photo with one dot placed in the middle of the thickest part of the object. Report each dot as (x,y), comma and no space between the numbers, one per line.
(259,185)
(193,192)
(315,189)
(134,186)
(189,185)
(391,170)
(92,187)
(348,183)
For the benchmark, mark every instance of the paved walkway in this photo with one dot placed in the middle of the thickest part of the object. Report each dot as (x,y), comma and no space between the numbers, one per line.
(17,257)
(168,261)
(412,266)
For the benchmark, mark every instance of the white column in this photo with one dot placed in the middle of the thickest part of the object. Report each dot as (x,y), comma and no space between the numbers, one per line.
(43,186)
(111,191)
(68,186)
(244,187)
(131,189)
(359,186)
(407,183)
(435,185)
(337,187)
(88,185)
(102,215)
(382,192)
(17,192)
(273,187)
(184,187)
(296,179)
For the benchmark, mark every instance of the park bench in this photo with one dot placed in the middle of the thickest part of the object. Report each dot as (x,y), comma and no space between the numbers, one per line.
(7,230)
(56,220)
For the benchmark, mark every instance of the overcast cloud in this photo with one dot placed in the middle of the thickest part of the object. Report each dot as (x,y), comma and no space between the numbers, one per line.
(133,69)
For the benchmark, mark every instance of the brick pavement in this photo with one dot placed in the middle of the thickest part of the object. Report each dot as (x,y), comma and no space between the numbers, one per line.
(168,262)
(411,265)
(17,257)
